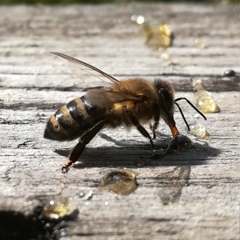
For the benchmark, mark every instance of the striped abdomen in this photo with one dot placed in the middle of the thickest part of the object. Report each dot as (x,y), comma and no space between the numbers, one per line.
(73,119)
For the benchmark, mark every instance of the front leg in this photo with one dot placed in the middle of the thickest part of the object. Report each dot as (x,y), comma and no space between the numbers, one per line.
(83,141)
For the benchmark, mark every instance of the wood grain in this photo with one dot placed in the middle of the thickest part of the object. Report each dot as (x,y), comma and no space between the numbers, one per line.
(192,194)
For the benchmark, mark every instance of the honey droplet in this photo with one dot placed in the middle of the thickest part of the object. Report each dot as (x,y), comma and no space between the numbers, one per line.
(61,208)
(204,100)
(158,36)
(199,131)
(122,182)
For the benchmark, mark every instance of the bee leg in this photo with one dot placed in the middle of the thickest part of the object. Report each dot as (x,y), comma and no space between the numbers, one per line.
(153,128)
(83,141)
(130,116)
(156,120)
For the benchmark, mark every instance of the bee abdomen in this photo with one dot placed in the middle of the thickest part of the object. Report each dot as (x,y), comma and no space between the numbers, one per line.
(73,120)
(78,116)
(84,112)
(76,109)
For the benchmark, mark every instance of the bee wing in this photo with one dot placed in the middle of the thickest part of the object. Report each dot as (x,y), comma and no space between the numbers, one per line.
(81,69)
(107,98)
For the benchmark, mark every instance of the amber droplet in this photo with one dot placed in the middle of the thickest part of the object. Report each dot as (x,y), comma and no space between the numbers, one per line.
(61,208)
(121,182)
(204,100)
(158,36)
(199,131)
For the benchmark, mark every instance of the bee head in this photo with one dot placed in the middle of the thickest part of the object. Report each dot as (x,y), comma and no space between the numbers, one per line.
(166,98)
(167,102)
(54,130)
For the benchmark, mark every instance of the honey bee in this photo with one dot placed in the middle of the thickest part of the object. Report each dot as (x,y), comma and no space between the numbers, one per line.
(129,102)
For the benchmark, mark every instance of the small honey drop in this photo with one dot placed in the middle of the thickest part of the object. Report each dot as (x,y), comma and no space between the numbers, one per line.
(61,208)
(199,131)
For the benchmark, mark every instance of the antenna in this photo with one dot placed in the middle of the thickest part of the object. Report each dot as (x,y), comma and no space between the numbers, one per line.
(180,110)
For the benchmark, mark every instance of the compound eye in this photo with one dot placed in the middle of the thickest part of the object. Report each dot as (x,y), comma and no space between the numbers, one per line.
(166,98)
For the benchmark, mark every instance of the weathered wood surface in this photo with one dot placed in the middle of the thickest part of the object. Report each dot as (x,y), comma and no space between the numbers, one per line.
(204,203)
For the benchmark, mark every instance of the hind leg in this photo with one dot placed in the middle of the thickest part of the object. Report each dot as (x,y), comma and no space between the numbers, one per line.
(83,141)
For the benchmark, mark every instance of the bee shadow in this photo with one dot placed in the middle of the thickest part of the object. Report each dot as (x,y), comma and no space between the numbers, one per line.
(128,154)
(131,154)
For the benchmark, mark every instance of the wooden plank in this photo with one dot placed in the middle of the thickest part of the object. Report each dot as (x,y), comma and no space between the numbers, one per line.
(192,194)
(26,61)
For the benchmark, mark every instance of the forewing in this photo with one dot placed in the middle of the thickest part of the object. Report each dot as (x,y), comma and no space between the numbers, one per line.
(85,71)
(106,98)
